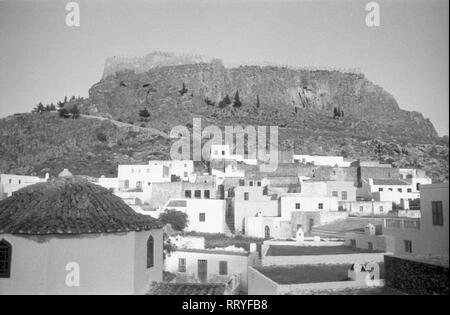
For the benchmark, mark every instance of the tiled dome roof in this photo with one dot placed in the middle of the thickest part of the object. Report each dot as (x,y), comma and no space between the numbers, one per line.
(69,206)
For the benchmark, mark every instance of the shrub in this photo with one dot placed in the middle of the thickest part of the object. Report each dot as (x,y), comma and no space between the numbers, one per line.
(177,219)
(101,137)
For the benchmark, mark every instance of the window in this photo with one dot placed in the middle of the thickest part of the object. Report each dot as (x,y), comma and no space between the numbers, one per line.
(246,196)
(361,208)
(390,189)
(206,194)
(320,206)
(381,209)
(10,180)
(185,174)
(408,246)
(353,243)
(334,194)
(344,195)
(417,186)
(197,193)
(5,259)
(399,190)
(223,152)
(370,246)
(150,252)
(20,181)
(380,189)
(437,213)
(259,184)
(250,183)
(409,190)
(202,217)
(187,193)
(297,206)
(223,268)
(241,182)
(181,264)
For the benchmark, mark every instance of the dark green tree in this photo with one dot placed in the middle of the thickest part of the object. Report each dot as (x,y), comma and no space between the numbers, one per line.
(63,113)
(183,90)
(177,219)
(75,112)
(144,113)
(237,102)
(40,108)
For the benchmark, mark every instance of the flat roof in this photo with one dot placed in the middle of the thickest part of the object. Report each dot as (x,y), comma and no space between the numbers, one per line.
(213,251)
(293,250)
(305,273)
(298,274)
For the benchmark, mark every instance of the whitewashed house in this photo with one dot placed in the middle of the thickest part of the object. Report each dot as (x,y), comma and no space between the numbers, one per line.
(321,160)
(69,236)
(290,202)
(427,235)
(212,265)
(204,215)
(9,183)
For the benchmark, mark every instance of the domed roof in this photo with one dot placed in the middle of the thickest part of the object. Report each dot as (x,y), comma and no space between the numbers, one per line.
(69,206)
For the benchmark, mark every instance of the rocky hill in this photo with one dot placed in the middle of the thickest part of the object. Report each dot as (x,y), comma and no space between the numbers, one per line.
(301,99)
(33,144)
(317,112)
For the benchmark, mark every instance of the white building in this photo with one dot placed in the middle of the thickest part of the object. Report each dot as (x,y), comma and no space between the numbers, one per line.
(394,190)
(138,176)
(290,202)
(223,152)
(9,183)
(69,236)
(211,265)
(321,160)
(428,235)
(204,215)
(181,168)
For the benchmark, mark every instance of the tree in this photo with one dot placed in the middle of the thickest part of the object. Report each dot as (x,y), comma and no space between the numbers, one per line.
(144,113)
(209,102)
(39,108)
(63,113)
(237,101)
(75,112)
(183,90)
(177,219)
(225,101)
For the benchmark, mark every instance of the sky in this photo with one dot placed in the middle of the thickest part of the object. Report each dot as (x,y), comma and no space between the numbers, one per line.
(42,59)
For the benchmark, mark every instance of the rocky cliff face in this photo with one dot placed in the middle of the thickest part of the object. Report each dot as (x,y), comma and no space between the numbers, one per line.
(301,103)
(290,98)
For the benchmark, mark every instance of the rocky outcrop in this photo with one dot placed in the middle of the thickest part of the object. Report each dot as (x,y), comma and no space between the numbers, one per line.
(294,98)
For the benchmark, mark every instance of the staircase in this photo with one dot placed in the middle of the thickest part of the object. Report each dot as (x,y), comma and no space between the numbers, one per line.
(229,225)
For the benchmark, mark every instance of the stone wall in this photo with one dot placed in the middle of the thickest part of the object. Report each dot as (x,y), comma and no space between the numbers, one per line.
(416,277)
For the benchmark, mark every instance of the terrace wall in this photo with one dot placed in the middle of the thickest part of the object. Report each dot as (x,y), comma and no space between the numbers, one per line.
(415,277)
(322,259)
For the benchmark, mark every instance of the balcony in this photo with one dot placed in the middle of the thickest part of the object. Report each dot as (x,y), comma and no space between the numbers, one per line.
(401,223)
